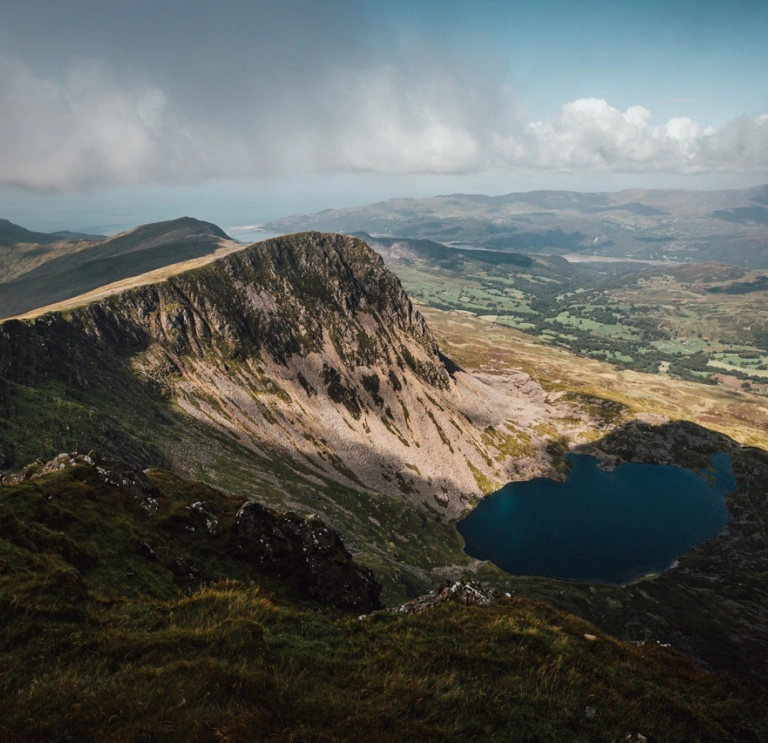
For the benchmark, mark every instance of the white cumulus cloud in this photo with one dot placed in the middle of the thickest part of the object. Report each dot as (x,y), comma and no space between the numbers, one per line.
(590,133)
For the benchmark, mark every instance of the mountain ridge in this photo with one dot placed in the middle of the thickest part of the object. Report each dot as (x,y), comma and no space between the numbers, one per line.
(93,264)
(306,314)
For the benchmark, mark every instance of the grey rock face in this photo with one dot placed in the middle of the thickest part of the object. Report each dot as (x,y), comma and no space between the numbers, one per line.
(309,554)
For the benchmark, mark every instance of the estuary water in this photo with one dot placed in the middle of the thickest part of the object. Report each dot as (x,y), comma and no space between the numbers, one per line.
(599,526)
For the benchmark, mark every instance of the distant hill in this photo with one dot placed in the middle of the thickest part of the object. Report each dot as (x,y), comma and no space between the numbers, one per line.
(729,226)
(401,250)
(67,235)
(88,265)
(11,233)
(22,250)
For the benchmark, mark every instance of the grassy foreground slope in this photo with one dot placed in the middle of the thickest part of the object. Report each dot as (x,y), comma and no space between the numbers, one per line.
(99,640)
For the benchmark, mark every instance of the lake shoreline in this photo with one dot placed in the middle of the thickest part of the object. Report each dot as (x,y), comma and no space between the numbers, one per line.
(608,522)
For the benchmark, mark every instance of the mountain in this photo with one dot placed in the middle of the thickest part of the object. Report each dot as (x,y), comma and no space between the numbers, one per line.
(11,233)
(296,374)
(403,250)
(22,250)
(86,266)
(285,320)
(67,235)
(726,226)
(296,367)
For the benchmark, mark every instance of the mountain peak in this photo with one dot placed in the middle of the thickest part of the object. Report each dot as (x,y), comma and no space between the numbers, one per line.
(178,228)
(11,233)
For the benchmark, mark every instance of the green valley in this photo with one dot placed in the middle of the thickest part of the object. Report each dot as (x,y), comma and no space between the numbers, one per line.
(702,322)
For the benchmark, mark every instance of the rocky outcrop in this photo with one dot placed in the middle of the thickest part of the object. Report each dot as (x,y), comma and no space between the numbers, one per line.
(677,443)
(307,552)
(461,591)
(131,480)
(457,592)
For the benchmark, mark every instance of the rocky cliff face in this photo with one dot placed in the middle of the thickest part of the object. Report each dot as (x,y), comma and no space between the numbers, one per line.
(308,345)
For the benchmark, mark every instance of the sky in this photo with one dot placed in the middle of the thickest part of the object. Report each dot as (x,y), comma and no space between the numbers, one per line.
(239,111)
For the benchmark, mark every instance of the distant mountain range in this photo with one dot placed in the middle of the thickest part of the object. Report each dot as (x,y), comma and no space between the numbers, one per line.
(729,226)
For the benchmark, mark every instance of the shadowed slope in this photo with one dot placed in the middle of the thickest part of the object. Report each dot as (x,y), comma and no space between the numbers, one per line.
(126,255)
(11,233)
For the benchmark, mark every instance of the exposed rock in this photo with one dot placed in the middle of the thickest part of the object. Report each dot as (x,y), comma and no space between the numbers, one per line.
(150,505)
(305,344)
(39,468)
(207,513)
(678,443)
(186,571)
(309,554)
(460,591)
(135,481)
(146,550)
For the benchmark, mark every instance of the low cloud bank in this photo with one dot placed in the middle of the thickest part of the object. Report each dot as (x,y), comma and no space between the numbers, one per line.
(89,129)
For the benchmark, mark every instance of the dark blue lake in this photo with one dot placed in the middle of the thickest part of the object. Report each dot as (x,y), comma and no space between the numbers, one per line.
(598,526)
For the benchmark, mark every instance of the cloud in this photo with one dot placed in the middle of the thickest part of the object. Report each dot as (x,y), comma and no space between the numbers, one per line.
(589,133)
(78,132)
(91,128)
